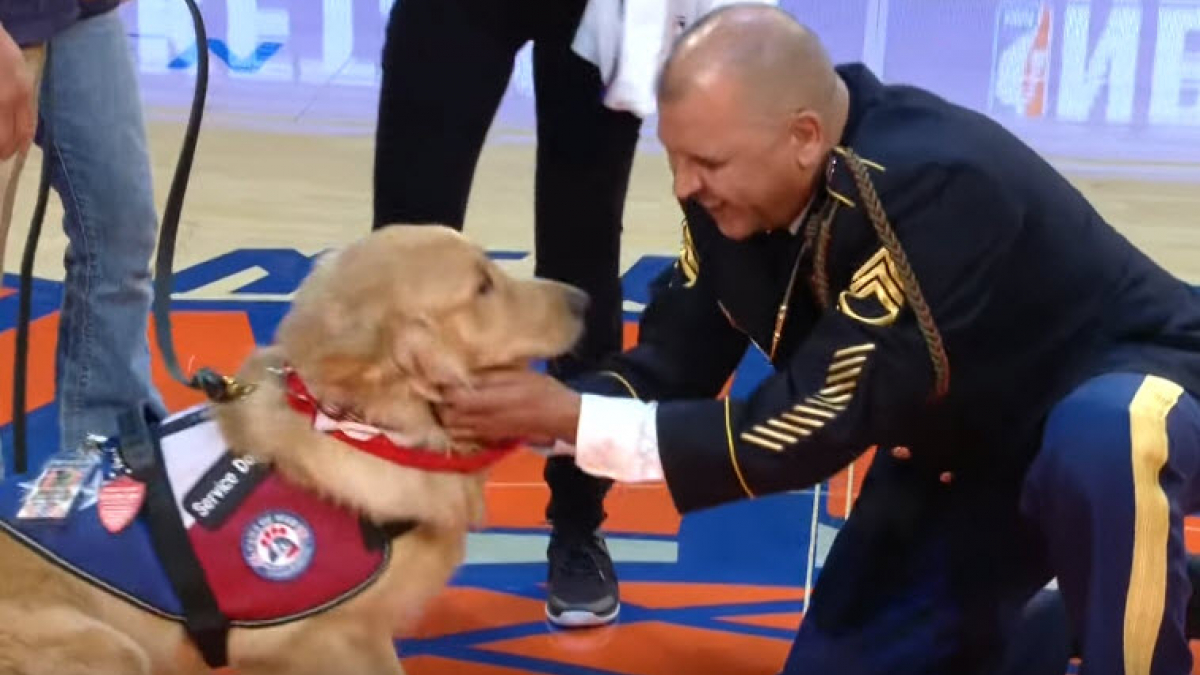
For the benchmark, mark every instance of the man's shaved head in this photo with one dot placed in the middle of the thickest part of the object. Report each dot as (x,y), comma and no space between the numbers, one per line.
(749,109)
(779,65)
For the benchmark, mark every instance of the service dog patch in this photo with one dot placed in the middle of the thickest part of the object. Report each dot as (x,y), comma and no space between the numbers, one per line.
(278,546)
(222,489)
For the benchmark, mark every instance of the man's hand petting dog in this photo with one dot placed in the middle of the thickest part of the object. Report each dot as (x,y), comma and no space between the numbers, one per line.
(511,404)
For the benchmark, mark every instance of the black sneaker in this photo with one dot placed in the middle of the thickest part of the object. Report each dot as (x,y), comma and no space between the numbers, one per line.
(582,582)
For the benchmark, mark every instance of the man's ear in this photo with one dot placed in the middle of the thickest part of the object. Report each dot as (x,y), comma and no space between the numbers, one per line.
(422,352)
(808,137)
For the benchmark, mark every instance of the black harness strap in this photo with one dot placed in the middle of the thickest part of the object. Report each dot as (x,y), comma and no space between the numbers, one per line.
(377,537)
(206,625)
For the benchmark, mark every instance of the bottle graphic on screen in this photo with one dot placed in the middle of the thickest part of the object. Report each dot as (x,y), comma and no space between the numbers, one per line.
(1037,68)
(1021,58)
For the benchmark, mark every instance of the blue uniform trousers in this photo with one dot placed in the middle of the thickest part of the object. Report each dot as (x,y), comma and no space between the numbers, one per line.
(930,582)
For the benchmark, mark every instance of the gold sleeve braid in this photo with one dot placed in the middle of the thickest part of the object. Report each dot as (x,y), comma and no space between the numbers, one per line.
(689,262)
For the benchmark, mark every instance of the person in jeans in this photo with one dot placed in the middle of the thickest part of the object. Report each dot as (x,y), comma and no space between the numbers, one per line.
(100,168)
(91,115)
(446,65)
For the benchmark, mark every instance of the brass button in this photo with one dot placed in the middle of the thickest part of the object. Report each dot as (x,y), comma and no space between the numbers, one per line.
(901,452)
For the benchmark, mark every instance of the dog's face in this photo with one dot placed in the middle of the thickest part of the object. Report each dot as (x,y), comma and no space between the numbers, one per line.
(409,309)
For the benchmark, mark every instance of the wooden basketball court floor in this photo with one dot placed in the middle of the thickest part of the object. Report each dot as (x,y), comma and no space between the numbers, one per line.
(717,592)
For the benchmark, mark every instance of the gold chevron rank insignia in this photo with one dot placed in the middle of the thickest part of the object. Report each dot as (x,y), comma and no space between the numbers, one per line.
(800,421)
(875,295)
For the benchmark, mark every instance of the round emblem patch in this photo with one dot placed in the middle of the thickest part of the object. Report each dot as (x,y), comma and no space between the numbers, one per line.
(278,546)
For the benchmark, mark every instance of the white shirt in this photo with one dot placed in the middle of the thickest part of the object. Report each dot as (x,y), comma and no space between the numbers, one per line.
(628,40)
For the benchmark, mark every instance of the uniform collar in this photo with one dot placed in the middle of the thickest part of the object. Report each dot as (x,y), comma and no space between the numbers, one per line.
(865,90)
(794,228)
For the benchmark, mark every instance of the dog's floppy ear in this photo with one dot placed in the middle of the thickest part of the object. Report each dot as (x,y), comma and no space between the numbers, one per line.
(421,352)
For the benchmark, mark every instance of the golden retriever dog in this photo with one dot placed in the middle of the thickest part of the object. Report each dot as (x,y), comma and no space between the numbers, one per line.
(377,328)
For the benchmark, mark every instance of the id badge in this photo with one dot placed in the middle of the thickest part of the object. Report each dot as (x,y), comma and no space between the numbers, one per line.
(58,486)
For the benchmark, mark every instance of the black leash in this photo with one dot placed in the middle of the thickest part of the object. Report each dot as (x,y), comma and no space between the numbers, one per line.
(216,387)
(24,302)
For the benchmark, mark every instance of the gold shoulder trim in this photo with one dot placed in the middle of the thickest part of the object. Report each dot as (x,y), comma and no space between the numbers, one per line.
(842,151)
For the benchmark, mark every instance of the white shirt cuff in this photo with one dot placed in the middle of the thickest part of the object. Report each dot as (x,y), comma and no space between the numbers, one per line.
(617,438)
(557,449)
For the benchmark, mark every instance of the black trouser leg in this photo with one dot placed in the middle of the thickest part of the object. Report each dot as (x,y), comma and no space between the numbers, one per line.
(446,65)
(584,156)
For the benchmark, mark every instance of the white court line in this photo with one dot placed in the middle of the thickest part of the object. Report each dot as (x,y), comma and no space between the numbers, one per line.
(499,548)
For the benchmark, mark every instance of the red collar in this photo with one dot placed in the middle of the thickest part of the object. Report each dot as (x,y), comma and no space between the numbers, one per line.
(374,441)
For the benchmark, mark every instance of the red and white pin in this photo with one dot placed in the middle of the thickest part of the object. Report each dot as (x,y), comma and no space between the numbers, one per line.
(119,502)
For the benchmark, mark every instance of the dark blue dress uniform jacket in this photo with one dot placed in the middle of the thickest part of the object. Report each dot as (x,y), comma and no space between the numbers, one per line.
(1031,291)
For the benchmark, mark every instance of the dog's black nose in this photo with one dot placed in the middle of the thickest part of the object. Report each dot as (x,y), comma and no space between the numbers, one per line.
(578,301)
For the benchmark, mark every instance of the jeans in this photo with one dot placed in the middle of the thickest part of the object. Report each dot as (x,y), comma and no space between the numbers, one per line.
(100,168)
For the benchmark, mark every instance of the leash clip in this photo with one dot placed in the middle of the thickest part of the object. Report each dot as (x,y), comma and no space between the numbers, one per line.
(222,388)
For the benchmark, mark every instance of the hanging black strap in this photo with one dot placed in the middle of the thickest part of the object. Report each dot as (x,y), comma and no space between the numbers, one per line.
(25,299)
(207,626)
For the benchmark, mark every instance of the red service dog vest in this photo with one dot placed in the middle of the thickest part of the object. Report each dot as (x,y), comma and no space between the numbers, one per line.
(271,552)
